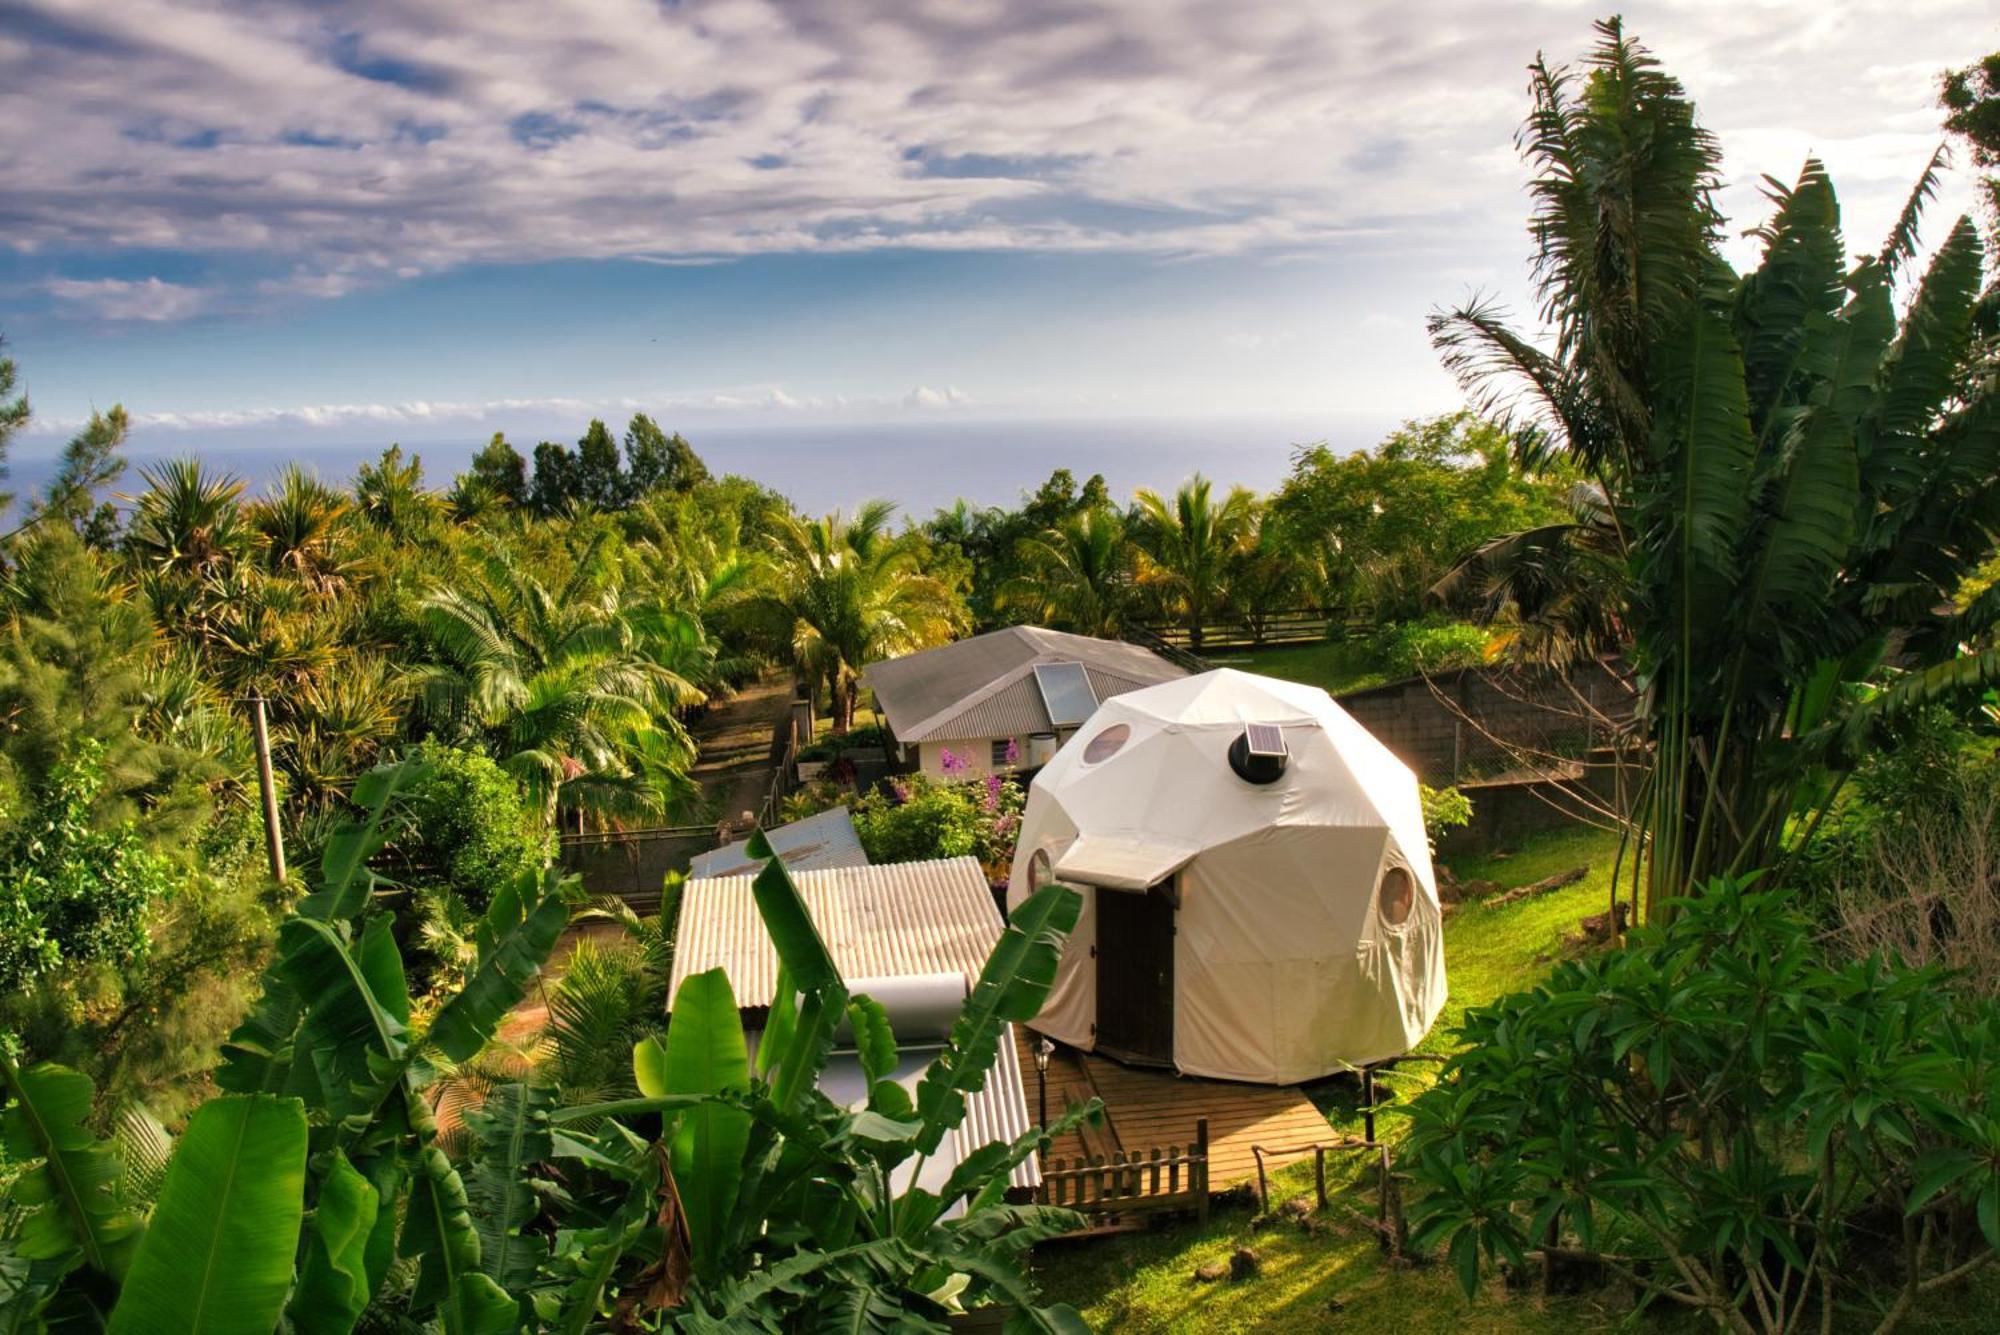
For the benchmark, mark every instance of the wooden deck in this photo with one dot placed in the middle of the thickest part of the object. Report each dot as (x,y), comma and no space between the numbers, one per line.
(1148,1109)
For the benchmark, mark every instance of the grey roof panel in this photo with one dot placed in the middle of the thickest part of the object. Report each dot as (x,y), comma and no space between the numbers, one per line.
(824,840)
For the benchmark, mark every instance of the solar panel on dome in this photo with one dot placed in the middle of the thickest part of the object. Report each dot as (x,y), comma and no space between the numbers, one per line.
(1067,692)
(1265,739)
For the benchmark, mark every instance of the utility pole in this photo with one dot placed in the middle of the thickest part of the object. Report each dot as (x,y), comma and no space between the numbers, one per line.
(260,732)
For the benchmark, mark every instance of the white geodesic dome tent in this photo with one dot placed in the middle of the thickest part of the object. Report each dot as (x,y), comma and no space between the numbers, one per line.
(1258,897)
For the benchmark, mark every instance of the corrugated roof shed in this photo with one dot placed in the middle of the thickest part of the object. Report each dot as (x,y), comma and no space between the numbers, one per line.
(825,840)
(897,918)
(878,921)
(985,687)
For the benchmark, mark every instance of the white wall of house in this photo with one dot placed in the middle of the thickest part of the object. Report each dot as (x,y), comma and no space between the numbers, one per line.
(978,753)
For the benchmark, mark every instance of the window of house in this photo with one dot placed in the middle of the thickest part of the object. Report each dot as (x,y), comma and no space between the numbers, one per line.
(1004,752)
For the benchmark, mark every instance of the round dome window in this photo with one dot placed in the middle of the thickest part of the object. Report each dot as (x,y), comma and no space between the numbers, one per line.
(1105,745)
(1398,897)
(1040,870)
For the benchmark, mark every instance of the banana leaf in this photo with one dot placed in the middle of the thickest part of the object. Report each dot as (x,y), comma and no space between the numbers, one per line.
(217,1256)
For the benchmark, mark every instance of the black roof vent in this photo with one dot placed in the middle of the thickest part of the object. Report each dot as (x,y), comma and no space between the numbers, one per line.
(1259,754)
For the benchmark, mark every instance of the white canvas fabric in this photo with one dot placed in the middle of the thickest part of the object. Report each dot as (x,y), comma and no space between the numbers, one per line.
(1284,967)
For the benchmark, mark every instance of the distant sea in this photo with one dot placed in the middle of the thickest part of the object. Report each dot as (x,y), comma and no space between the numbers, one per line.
(920,465)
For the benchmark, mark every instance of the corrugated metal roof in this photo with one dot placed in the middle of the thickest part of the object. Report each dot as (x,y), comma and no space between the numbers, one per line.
(924,694)
(825,840)
(878,921)
(898,918)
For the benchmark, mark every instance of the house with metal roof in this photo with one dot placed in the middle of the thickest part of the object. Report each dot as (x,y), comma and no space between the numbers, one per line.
(824,840)
(915,936)
(1004,700)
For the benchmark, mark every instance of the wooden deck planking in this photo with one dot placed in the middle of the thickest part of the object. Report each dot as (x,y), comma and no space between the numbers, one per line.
(1145,1109)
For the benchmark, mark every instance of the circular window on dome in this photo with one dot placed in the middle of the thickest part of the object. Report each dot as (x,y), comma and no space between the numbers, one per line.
(1105,745)
(1040,870)
(1398,896)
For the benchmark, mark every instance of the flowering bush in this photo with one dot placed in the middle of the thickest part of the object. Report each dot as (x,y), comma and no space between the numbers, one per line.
(917,818)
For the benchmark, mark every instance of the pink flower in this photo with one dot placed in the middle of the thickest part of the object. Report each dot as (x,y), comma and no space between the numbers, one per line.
(1013,752)
(993,792)
(952,764)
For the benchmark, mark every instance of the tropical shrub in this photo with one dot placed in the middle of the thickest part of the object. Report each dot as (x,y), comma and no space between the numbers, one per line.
(467,828)
(1430,647)
(869,736)
(1726,1119)
(915,818)
(71,893)
(1445,809)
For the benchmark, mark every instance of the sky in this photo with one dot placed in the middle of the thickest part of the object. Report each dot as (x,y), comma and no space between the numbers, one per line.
(973,232)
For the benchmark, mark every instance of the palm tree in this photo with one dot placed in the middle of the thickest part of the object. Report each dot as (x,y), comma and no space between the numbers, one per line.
(188,522)
(1077,576)
(301,531)
(557,685)
(841,593)
(1265,577)
(1189,543)
(1794,481)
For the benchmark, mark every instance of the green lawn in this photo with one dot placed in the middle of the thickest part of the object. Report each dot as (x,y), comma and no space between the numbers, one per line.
(1336,666)
(1143,1282)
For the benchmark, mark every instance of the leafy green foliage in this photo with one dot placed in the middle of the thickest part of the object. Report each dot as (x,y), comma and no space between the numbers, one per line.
(70,1192)
(1715,1110)
(1380,527)
(465,823)
(1787,483)
(217,1254)
(1406,649)
(71,893)
(918,818)
(835,594)
(1445,809)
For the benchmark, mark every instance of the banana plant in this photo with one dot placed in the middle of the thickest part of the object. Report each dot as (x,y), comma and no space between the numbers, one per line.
(785,1207)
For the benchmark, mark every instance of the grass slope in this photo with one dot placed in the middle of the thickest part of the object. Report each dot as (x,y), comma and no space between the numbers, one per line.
(1335,666)
(1337,1279)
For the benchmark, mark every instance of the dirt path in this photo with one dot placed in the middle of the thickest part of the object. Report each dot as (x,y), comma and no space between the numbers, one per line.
(734,768)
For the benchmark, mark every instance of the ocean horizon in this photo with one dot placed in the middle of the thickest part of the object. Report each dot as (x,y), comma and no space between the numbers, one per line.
(921,466)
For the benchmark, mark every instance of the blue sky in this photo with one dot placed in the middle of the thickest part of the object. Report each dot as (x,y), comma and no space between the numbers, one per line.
(282,227)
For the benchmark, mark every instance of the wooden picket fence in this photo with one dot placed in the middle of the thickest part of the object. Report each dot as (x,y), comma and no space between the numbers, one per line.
(1169,1178)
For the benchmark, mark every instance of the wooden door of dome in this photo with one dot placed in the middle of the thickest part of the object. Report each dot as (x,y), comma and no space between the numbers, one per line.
(1135,974)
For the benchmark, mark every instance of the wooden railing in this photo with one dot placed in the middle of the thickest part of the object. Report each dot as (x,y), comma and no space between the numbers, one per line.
(1170,1178)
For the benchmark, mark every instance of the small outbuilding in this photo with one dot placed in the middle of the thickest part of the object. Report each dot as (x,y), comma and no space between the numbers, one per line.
(1259,902)
(1005,700)
(914,935)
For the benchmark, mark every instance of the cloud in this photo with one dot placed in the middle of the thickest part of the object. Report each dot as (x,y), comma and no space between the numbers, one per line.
(312,150)
(147,299)
(923,396)
(722,403)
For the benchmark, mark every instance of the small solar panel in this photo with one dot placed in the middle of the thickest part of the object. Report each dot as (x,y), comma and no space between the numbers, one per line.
(1265,739)
(1067,692)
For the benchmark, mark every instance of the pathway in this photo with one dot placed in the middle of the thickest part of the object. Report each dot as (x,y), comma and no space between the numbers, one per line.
(734,765)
